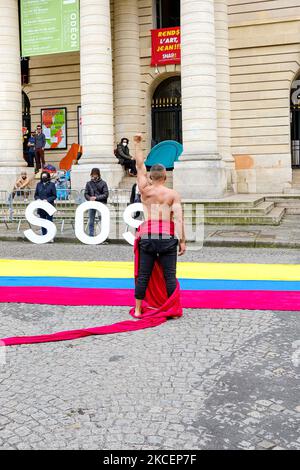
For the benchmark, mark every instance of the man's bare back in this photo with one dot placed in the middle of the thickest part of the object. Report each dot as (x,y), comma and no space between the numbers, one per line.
(163,204)
(160,202)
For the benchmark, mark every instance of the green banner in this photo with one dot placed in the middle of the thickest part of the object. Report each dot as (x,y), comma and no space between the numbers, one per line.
(49,26)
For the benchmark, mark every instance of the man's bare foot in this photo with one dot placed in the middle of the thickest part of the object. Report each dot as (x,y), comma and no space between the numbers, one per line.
(137,314)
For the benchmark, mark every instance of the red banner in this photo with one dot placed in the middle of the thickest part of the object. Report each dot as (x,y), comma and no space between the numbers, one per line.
(165,46)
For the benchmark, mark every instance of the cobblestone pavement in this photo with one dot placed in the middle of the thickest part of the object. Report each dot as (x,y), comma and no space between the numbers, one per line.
(213,379)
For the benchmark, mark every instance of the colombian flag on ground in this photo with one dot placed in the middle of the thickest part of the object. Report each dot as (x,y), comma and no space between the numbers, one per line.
(203,285)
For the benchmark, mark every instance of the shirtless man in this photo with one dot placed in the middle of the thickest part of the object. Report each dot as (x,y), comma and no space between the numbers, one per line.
(160,203)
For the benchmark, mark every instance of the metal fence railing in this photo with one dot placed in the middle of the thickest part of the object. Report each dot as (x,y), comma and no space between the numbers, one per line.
(13,206)
(118,199)
(116,196)
(5,213)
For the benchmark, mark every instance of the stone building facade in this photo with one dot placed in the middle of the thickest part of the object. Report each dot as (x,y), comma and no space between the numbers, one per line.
(239,63)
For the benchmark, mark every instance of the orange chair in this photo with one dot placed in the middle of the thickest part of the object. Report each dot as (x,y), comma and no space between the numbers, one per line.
(73,155)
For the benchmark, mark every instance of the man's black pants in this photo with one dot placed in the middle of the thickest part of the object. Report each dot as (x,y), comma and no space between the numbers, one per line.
(165,250)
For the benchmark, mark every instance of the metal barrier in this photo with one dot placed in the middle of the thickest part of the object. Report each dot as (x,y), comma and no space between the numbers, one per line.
(4,196)
(5,213)
(18,201)
(116,196)
(13,206)
(65,205)
(119,196)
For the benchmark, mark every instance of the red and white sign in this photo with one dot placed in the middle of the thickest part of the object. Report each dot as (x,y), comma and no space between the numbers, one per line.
(165,46)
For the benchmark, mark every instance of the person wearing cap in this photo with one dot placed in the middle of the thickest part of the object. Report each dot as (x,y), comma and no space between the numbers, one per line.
(95,190)
(125,159)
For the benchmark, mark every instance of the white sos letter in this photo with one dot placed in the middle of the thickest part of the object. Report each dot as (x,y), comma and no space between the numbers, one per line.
(129,220)
(79,223)
(35,220)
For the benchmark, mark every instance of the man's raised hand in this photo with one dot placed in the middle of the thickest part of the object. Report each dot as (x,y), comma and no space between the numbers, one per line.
(137,139)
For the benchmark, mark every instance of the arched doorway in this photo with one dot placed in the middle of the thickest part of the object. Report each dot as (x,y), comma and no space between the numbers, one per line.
(166,111)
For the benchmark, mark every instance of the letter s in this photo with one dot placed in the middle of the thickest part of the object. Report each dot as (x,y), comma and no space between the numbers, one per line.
(130,221)
(35,220)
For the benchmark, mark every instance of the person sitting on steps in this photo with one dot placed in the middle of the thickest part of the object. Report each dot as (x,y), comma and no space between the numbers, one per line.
(125,159)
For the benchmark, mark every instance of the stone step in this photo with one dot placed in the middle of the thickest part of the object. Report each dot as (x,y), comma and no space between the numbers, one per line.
(229,202)
(274,217)
(263,208)
(291,210)
(291,204)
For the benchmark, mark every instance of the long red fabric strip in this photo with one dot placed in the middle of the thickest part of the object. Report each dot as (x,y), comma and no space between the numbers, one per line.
(156,308)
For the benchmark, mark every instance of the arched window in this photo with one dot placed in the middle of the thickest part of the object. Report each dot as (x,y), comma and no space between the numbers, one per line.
(295,123)
(167,13)
(166,111)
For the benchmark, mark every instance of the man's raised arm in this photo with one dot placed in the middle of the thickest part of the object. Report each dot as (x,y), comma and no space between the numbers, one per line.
(142,179)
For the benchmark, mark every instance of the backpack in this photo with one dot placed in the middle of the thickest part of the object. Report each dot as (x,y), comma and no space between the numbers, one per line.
(62,191)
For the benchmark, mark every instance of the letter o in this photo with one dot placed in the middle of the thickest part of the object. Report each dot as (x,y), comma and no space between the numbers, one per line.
(79,223)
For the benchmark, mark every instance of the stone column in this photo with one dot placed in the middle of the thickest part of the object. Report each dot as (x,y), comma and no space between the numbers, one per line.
(11,150)
(96,95)
(223,90)
(200,172)
(127,72)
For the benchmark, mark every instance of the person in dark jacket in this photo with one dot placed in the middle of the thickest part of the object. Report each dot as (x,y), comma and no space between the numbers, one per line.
(95,190)
(31,149)
(124,157)
(46,191)
(135,197)
(39,145)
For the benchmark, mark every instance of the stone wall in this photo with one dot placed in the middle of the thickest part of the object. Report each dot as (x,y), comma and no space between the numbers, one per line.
(264,59)
(151,77)
(55,81)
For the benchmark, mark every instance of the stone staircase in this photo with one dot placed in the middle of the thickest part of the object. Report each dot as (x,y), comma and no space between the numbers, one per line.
(290,202)
(242,210)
